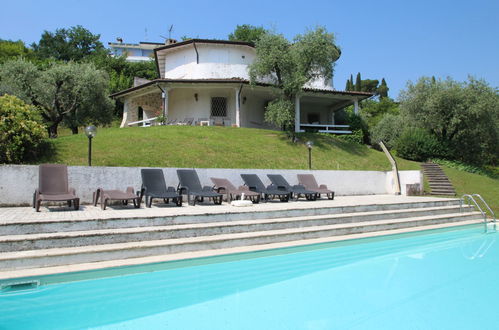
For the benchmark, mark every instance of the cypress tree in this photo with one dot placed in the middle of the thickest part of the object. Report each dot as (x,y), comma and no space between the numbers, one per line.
(383,89)
(358,83)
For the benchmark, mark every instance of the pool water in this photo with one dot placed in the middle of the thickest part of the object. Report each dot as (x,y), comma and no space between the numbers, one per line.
(437,280)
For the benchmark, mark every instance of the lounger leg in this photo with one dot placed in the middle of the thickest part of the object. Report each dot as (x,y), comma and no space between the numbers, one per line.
(69,203)
(76,203)
(38,202)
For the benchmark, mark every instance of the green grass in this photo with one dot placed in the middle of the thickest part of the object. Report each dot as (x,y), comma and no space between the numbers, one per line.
(216,147)
(470,183)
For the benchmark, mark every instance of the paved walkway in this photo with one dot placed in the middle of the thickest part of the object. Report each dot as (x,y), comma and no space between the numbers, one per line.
(89,212)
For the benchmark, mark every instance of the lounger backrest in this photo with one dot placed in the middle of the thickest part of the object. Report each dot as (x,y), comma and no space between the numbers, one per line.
(223,183)
(279,180)
(308,181)
(252,180)
(189,179)
(53,179)
(153,180)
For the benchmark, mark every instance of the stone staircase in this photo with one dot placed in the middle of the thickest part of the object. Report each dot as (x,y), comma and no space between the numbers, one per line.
(439,183)
(61,246)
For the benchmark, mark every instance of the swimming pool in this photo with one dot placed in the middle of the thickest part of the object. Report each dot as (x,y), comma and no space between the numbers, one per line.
(436,280)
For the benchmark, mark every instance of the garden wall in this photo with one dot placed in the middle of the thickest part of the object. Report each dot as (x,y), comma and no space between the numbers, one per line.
(18,182)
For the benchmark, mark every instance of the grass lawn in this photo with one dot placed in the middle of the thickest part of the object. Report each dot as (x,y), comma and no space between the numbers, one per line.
(469,183)
(216,147)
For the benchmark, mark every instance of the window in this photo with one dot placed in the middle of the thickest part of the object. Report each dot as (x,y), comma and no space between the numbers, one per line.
(219,107)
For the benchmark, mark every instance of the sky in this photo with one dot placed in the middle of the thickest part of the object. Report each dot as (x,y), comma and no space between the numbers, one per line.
(396,40)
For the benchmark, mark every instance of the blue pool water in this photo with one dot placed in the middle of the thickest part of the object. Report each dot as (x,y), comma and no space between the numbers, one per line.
(439,280)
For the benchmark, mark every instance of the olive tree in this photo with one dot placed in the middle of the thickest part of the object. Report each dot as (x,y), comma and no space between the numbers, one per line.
(463,116)
(73,93)
(288,66)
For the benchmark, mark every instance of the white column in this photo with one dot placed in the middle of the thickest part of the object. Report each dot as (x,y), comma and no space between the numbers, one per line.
(164,95)
(238,108)
(297,114)
(356,106)
(124,121)
(332,118)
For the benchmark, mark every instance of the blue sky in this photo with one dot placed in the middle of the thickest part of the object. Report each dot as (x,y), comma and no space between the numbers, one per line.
(397,40)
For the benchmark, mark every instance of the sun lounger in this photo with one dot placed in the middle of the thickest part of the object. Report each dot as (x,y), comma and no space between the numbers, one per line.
(154,186)
(296,190)
(224,186)
(270,192)
(190,185)
(53,186)
(116,195)
(309,182)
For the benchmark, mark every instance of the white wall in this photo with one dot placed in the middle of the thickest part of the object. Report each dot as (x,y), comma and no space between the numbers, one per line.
(215,62)
(18,182)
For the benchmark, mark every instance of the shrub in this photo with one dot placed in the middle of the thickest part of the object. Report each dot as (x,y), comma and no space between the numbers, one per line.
(357,136)
(21,131)
(417,144)
(387,130)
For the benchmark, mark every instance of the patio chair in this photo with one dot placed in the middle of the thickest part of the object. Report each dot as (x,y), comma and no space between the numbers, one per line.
(296,190)
(190,185)
(186,122)
(309,182)
(270,192)
(53,186)
(224,186)
(171,122)
(154,186)
(116,195)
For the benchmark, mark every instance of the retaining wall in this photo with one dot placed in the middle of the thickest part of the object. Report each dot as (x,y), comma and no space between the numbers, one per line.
(18,182)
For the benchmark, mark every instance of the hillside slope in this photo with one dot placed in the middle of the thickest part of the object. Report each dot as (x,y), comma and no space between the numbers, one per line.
(217,147)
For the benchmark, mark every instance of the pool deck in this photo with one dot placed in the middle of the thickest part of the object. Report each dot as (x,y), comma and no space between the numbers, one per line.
(90,212)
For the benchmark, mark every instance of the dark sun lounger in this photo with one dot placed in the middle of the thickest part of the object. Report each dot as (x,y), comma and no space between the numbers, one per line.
(224,186)
(309,182)
(296,190)
(255,184)
(154,186)
(190,185)
(116,195)
(53,186)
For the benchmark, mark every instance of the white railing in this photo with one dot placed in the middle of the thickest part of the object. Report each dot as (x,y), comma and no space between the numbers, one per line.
(148,120)
(325,128)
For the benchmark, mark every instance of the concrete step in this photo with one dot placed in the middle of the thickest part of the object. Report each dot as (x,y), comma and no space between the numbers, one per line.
(14,227)
(10,243)
(96,253)
(144,264)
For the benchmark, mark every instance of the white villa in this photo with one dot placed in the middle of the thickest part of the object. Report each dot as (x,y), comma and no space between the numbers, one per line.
(206,82)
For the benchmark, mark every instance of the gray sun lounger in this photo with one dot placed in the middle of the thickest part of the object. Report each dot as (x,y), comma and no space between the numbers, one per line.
(154,186)
(296,190)
(53,186)
(116,195)
(255,184)
(309,182)
(190,185)
(224,186)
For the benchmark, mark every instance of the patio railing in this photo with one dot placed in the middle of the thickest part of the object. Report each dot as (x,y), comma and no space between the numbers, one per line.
(324,128)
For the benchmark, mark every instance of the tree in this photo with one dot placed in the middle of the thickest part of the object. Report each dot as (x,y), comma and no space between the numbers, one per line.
(75,43)
(248,33)
(358,83)
(21,131)
(75,93)
(289,66)
(369,85)
(464,116)
(383,89)
(13,49)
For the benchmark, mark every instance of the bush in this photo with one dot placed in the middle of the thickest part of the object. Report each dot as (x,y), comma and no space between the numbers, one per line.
(357,136)
(417,144)
(388,130)
(21,131)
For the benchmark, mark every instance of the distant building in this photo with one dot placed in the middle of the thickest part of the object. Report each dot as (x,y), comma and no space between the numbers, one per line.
(143,51)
